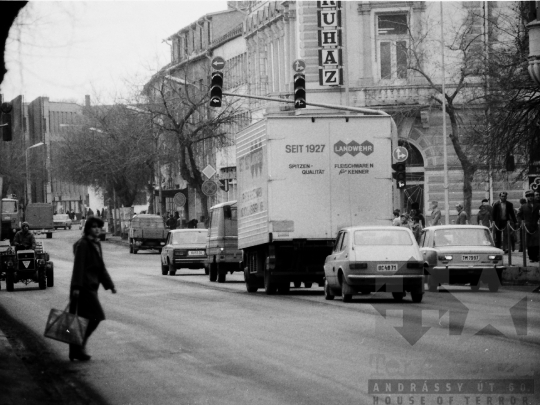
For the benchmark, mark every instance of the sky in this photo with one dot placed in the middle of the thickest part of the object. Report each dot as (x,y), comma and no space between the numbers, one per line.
(68,49)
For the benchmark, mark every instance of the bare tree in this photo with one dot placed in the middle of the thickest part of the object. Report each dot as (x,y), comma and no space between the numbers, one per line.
(180,111)
(112,149)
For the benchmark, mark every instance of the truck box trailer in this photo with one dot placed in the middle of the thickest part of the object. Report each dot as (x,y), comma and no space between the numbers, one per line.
(40,218)
(301,178)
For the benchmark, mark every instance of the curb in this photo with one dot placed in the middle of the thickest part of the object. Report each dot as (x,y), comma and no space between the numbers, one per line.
(521,275)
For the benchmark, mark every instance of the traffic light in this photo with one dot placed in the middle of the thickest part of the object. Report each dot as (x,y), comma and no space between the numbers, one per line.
(224,184)
(400,175)
(215,89)
(299,90)
(5,126)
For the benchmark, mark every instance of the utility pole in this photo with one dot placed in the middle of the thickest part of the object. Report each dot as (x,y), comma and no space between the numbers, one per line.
(446,199)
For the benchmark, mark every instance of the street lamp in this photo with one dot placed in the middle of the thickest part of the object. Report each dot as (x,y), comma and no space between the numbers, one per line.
(28,185)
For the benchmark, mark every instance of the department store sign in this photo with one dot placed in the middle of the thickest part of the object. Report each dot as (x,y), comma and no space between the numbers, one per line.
(330,43)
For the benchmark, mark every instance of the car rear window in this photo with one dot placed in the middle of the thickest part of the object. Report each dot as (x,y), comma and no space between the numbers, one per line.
(180,238)
(383,237)
(148,223)
(463,237)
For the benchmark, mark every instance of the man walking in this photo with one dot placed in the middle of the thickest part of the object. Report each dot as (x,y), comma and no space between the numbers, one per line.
(462,218)
(435,214)
(484,214)
(529,213)
(503,212)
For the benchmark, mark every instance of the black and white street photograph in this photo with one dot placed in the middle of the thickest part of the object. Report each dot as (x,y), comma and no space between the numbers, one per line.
(269,202)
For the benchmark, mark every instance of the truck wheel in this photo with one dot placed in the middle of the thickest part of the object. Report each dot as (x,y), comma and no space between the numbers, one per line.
(398,296)
(297,284)
(270,287)
(50,276)
(417,296)
(49,235)
(42,280)
(493,285)
(251,284)
(284,288)
(308,284)
(10,284)
(221,273)
(172,270)
(327,292)
(212,275)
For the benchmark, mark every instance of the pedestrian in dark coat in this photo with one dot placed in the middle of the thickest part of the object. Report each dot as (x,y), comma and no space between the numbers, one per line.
(529,213)
(484,214)
(88,273)
(503,212)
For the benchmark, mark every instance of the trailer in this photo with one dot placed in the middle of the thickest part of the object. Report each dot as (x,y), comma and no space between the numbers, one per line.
(302,178)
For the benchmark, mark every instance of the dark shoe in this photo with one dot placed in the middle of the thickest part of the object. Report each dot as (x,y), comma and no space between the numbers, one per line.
(79,356)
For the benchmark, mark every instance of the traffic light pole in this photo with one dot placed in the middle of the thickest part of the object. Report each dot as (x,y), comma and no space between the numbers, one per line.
(331,106)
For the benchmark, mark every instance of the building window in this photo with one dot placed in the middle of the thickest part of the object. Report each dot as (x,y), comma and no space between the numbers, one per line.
(392,44)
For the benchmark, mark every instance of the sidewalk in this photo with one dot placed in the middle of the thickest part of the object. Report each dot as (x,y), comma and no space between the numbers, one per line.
(519,274)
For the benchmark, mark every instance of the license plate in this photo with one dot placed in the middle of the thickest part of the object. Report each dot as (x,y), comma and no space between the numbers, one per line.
(387,267)
(470,258)
(195,253)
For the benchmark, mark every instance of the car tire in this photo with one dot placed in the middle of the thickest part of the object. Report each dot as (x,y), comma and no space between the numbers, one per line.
(212,274)
(345,297)
(10,283)
(433,286)
(297,284)
(284,288)
(172,270)
(42,280)
(206,270)
(251,282)
(308,284)
(327,292)
(270,287)
(221,273)
(50,276)
(69,227)
(493,285)
(417,296)
(130,246)
(398,296)
(475,287)
(164,269)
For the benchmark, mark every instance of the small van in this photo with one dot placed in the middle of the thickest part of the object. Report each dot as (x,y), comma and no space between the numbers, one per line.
(222,242)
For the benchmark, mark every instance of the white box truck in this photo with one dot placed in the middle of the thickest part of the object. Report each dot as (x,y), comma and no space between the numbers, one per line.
(301,178)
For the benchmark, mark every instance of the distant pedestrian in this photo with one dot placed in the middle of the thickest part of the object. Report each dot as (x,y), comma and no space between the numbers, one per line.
(435,214)
(415,212)
(502,214)
(462,218)
(416,228)
(88,273)
(405,221)
(484,214)
(90,213)
(396,221)
(529,214)
(173,223)
(98,214)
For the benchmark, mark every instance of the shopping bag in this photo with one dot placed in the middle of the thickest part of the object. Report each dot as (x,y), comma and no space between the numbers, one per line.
(66,327)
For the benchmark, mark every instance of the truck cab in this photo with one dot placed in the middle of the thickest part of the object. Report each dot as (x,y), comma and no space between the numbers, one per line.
(11,218)
(222,243)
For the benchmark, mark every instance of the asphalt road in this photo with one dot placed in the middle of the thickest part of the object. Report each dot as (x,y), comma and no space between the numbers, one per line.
(184,340)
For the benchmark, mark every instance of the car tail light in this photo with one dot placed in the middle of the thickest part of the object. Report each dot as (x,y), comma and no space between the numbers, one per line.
(180,252)
(415,265)
(495,257)
(357,265)
(445,258)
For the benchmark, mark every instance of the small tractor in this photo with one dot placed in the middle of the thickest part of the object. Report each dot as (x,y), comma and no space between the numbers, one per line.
(25,266)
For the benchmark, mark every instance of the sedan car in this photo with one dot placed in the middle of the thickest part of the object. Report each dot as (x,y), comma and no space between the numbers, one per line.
(461,254)
(61,221)
(371,259)
(185,248)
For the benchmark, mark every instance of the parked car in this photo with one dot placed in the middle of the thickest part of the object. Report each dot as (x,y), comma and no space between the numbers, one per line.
(461,254)
(146,231)
(184,249)
(62,221)
(374,258)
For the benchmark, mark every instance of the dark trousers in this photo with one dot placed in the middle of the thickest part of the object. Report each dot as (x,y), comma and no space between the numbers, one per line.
(92,326)
(533,252)
(501,241)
